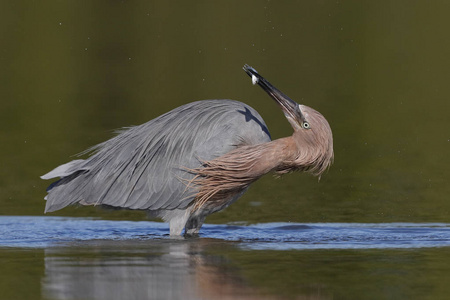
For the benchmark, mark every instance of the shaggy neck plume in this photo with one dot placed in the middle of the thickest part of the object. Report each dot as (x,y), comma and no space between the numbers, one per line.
(228,175)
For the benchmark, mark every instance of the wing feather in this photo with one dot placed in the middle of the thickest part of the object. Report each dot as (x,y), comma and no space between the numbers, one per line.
(144,167)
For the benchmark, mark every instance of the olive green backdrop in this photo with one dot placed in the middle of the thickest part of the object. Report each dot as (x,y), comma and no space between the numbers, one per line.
(73,71)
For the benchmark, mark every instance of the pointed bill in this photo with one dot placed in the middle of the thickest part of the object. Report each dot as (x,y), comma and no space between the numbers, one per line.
(290,108)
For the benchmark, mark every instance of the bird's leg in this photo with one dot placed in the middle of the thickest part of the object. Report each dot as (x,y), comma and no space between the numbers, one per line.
(177,220)
(194,224)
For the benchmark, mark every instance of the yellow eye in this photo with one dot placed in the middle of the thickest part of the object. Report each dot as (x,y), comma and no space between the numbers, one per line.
(305,125)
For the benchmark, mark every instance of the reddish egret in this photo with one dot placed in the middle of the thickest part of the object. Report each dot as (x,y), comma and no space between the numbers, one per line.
(194,160)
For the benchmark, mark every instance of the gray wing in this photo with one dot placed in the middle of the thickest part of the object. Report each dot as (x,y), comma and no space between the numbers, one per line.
(144,167)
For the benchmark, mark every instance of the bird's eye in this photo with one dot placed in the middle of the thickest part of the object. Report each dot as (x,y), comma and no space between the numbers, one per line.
(305,125)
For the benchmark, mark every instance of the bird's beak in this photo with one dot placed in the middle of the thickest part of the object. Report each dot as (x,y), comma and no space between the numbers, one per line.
(290,108)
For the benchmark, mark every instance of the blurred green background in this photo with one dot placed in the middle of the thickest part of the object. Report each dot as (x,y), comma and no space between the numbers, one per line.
(73,71)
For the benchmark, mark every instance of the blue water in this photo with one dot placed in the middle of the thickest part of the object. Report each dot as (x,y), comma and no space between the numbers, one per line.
(44,232)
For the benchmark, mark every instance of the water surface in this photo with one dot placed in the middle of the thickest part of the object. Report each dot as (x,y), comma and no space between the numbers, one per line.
(86,258)
(42,232)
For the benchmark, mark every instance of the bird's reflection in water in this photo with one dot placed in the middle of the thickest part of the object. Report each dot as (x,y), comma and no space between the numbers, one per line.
(153,269)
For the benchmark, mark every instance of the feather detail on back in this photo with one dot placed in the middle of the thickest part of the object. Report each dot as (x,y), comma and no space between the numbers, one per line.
(141,167)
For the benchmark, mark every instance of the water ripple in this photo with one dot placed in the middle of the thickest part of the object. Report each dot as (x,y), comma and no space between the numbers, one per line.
(43,232)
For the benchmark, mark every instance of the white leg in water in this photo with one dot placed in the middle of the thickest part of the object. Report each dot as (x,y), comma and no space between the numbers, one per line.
(254,79)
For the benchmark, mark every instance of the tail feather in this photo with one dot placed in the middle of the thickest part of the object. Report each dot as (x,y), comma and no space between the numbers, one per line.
(64,170)
(61,193)
(67,173)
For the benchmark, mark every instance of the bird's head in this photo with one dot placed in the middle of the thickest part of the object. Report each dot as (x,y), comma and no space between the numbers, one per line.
(312,133)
